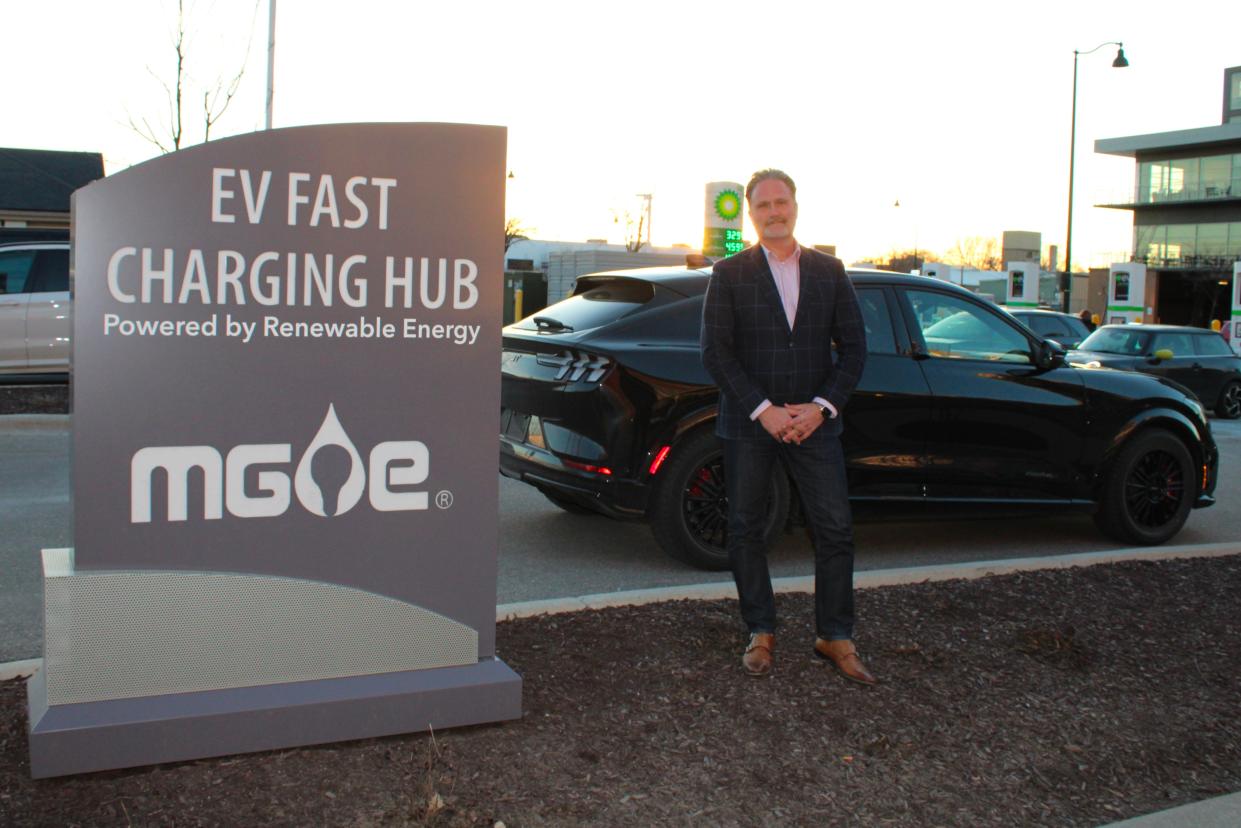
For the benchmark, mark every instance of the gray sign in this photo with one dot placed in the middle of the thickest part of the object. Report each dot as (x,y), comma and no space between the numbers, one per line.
(285,404)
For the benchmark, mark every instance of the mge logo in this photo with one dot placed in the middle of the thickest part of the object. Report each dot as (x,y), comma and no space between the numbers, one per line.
(399,463)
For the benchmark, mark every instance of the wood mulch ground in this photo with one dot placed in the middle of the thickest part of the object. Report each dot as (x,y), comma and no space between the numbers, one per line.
(1058,698)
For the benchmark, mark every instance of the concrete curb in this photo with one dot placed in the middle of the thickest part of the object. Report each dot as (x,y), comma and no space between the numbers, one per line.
(35,422)
(866,579)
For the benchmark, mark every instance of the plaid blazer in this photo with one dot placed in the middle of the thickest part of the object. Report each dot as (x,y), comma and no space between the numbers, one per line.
(749,351)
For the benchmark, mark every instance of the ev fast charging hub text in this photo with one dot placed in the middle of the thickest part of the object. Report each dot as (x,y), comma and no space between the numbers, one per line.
(291,279)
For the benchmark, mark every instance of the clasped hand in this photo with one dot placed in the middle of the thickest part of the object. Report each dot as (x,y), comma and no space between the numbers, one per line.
(792,422)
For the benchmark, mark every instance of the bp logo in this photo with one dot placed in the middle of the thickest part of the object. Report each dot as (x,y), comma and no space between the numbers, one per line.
(728,204)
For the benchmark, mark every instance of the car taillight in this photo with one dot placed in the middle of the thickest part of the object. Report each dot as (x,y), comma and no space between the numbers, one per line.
(660,457)
(586,467)
(576,365)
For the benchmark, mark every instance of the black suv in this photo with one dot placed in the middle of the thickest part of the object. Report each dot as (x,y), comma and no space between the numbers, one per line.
(1197,358)
(606,407)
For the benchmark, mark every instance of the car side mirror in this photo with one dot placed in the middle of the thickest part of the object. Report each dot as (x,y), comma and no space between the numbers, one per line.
(1049,354)
(1162,354)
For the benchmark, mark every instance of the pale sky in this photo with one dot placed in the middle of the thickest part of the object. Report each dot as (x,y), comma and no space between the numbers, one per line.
(958,109)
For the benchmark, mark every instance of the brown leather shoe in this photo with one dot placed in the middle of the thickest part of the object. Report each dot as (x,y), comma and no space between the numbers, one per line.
(844,656)
(757,658)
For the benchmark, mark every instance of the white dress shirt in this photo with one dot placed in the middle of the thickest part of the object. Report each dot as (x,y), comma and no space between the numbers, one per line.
(787,275)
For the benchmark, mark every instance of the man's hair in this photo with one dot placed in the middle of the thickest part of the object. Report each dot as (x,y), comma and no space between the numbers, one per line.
(763,175)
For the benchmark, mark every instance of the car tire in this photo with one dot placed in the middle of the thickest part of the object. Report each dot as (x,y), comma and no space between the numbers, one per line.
(1229,405)
(689,507)
(1148,491)
(570,506)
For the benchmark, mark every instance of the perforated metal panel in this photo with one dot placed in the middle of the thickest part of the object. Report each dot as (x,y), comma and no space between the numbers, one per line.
(128,634)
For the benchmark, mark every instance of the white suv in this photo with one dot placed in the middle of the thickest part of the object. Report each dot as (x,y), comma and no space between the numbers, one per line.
(35,321)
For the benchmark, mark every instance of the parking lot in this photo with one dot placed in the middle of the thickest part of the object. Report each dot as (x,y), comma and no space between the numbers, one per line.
(545,552)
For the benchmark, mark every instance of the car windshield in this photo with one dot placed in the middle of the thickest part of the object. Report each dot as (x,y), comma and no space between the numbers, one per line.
(601,302)
(1124,340)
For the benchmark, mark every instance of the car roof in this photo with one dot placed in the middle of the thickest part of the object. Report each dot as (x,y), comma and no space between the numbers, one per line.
(17,245)
(692,280)
(680,279)
(1041,311)
(1164,328)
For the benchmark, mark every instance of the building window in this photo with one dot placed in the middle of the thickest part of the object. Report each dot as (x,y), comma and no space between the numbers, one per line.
(1189,179)
(1213,239)
(1211,245)
(1216,175)
(1183,181)
(1148,242)
(1182,240)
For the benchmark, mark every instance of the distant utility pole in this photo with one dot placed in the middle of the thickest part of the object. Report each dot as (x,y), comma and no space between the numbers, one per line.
(271,54)
(647,197)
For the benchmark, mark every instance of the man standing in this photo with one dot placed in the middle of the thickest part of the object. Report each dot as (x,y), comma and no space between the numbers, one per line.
(771,315)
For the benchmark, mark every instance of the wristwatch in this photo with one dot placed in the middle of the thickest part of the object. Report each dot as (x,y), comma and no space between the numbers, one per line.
(825,411)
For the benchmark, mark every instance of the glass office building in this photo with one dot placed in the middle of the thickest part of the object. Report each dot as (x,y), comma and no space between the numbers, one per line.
(1186,204)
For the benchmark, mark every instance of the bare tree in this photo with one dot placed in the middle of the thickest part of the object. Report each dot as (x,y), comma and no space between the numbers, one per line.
(905,261)
(633,240)
(515,230)
(169,135)
(978,252)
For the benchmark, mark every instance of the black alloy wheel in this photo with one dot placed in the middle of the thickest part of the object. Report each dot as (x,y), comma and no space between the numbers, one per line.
(689,503)
(1149,490)
(1229,405)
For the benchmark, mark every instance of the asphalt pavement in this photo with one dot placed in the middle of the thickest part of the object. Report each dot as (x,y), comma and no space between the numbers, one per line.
(545,553)
(551,561)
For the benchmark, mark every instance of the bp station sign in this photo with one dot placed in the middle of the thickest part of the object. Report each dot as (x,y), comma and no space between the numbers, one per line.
(725,202)
(285,407)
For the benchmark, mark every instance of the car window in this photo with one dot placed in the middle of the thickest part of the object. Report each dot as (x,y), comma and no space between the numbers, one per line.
(1047,326)
(878,322)
(1178,343)
(598,302)
(958,329)
(1118,340)
(51,272)
(1211,344)
(15,266)
(1077,328)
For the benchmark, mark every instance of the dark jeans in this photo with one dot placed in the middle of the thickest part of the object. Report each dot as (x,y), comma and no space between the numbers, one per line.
(817,467)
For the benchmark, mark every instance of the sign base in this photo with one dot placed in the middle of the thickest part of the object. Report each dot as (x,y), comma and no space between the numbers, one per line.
(208,664)
(120,733)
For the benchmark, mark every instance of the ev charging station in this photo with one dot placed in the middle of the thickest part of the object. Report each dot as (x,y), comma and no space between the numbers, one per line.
(1023,282)
(1126,294)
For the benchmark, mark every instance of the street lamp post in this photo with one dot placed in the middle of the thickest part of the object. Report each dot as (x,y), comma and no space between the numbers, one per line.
(271,56)
(1066,279)
(917,258)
